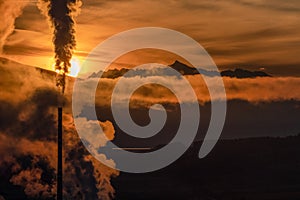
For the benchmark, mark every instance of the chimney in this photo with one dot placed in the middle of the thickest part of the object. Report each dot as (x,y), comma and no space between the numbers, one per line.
(59,156)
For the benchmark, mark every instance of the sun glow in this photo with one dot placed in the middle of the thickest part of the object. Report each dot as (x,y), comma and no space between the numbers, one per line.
(75,67)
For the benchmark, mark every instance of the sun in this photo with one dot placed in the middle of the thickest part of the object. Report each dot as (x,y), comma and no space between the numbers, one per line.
(75,67)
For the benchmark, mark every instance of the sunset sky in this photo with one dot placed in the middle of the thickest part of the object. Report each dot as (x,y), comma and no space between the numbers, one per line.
(237,33)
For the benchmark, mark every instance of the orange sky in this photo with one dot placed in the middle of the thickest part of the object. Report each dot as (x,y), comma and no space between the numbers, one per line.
(236,33)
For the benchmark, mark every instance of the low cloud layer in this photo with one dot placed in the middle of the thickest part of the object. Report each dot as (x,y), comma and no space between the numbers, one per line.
(254,90)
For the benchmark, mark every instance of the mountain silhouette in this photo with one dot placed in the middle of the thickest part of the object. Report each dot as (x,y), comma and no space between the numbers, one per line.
(182,68)
(241,73)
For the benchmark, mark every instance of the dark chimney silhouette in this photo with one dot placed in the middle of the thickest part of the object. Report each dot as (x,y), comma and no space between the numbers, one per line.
(59,156)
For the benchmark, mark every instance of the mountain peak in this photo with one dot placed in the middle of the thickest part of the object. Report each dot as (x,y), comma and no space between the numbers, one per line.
(183,68)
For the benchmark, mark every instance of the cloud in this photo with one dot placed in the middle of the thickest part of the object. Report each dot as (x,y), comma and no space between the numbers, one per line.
(253,90)
(36,143)
(9,11)
(277,5)
(27,164)
(263,89)
(237,32)
(85,177)
(31,180)
(94,138)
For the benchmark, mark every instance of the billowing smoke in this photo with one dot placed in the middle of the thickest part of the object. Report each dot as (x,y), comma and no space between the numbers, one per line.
(61,16)
(28,147)
(32,158)
(9,11)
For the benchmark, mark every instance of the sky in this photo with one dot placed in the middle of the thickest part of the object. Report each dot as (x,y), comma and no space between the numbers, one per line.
(256,34)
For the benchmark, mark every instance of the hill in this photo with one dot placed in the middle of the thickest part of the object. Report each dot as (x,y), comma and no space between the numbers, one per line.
(257,168)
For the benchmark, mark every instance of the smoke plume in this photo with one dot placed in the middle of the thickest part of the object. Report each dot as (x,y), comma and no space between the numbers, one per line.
(9,11)
(28,147)
(61,16)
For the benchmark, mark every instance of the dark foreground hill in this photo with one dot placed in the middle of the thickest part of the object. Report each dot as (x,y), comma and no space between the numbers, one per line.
(258,168)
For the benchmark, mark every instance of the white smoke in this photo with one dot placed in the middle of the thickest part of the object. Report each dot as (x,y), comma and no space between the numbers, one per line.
(9,11)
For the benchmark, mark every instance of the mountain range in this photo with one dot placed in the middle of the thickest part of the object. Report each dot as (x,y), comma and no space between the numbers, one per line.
(182,68)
